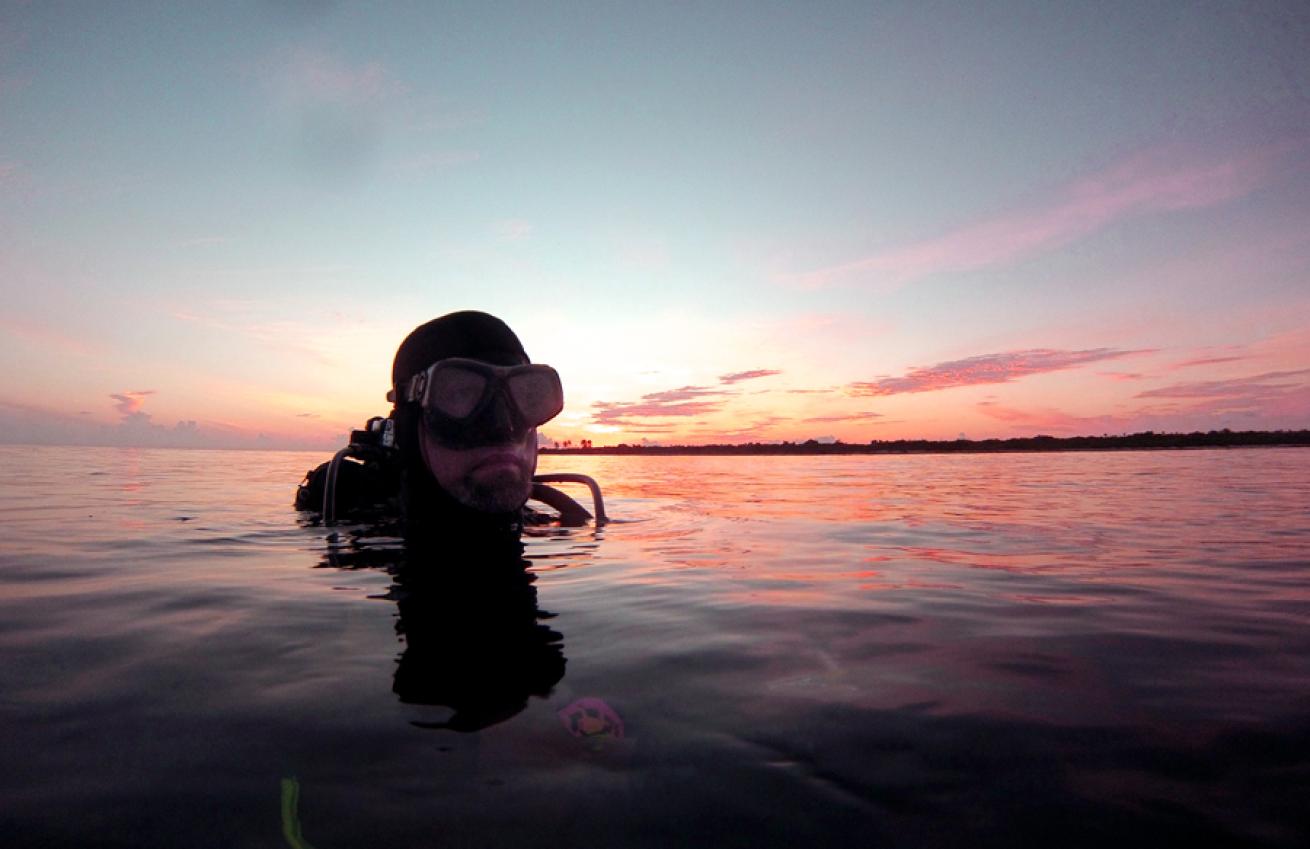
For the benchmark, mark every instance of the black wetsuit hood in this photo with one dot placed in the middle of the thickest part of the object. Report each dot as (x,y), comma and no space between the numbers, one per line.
(475,335)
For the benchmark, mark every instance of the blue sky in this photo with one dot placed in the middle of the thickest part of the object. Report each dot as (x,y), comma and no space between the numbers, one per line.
(230,214)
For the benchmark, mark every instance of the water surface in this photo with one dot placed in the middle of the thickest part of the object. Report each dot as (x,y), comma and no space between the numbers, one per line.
(1035,649)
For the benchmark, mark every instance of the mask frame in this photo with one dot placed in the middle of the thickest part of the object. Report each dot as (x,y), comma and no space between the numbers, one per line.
(496,416)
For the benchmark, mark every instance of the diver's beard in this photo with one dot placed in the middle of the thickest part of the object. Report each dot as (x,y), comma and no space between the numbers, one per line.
(491,479)
(502,491)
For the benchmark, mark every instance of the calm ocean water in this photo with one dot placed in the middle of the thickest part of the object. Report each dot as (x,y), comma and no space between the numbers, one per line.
(1025,650)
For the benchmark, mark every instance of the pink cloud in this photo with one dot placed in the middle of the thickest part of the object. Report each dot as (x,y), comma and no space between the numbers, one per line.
(988,368)
(684,393)
(685,401)
(1269,386)
(1163,179)
(651,406)
(737,377)
(1054,421)
(1249,403)
(130,403)
(47,336)
(1206,361)
(34,425)
(652,427)
(757,428)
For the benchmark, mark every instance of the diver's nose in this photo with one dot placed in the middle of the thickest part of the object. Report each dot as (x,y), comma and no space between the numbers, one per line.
(500,420)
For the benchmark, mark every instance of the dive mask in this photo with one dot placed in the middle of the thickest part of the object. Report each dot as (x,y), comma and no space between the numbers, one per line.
(469,403)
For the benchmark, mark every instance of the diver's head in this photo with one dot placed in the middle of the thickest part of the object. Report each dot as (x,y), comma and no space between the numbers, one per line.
(468,403)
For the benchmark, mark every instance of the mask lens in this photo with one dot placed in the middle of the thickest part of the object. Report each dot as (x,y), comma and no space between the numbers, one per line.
(455,391)
(537,393)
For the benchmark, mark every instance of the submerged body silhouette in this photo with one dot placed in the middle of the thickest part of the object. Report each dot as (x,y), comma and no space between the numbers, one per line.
(475,639)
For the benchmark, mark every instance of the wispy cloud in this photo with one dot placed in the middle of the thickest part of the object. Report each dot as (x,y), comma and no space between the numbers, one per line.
(1048,420)
(35,425)
(682,402)
(1267,386)
(1207,361)
(683,393)
(848,417)
(302,336)
(739,376)
(1163,179)
(334,111)
(1001,367)
(1273,399)
(512,229)
(756,429)
(632,412)
(1265,401)
(650,428)
(48,335)
(305,74)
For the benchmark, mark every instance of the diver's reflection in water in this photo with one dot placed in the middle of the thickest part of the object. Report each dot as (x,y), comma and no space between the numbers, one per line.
(474,636)
(475,642)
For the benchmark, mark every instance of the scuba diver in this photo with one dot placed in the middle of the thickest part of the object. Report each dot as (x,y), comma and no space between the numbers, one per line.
(458,453)
(454,466)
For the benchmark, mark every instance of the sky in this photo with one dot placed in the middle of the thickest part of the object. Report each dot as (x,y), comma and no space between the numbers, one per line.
(721,222)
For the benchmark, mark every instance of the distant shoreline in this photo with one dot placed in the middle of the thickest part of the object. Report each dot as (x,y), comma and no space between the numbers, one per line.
(1147,441)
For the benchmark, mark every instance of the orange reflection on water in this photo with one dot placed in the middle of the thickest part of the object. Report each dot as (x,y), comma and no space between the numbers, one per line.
(1069,528)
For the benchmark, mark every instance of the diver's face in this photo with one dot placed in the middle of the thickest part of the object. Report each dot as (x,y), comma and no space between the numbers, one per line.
(491,478)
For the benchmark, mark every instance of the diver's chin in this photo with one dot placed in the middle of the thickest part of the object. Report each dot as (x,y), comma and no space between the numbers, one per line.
(498,486)
(495,478)
(497,500)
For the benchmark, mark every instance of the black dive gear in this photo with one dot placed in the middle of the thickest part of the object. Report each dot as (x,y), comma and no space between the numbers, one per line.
(465,378)
(469,403)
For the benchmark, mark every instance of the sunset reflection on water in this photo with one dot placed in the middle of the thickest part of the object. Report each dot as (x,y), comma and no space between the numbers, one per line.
(1005,642)
(1137,519)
